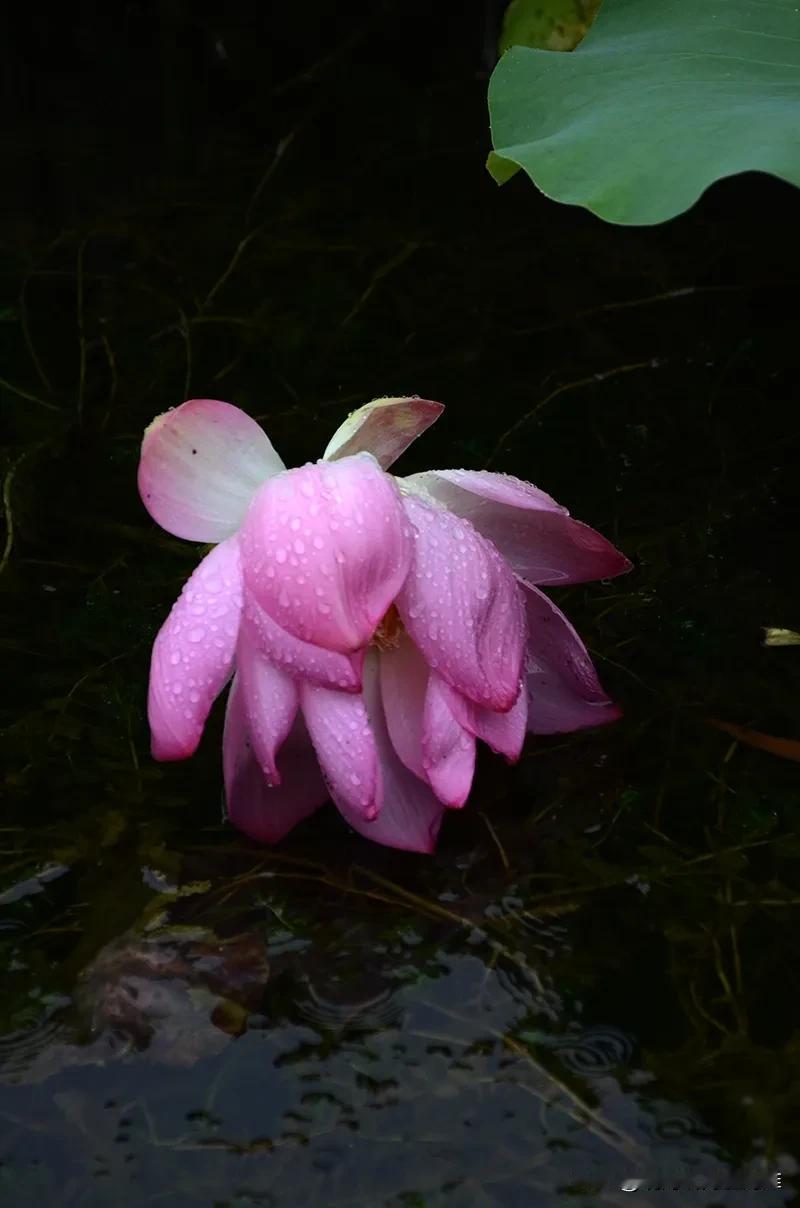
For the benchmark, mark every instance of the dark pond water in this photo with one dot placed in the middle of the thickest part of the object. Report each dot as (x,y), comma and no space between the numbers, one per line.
(596,977)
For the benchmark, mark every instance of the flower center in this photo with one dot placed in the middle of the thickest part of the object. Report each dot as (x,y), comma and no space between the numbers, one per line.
(387,635)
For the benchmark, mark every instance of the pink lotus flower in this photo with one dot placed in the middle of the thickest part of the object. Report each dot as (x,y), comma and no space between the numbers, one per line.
(375,626)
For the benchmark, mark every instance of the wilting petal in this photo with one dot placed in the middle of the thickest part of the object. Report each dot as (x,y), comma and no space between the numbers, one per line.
(325,549)
(404,682)
(271,699)
(462,607)
(537,537)
(263,812)
(563,689)
(343,740)
(200,466)
(193,653)
(411,815)
(384,428)
(448,749)
(325,667)
(503,732)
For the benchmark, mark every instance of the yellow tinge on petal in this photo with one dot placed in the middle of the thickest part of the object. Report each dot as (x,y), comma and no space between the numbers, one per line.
(385,428)
(781,637)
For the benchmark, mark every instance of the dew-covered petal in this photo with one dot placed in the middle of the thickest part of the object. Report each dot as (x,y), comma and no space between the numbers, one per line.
(504,733)
(564,692)
(193,653)
(302,659)
(404,682)
(271,700)
(325,549)
(411,815)
(263,812)
(200,466)
(385,428)
(537,537)
(462,606)
(448,749)
(345,746)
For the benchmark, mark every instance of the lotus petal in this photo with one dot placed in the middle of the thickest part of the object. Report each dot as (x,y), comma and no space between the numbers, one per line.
(200,466)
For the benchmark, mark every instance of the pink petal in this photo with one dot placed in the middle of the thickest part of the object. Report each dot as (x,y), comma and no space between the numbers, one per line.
(503,732)
(563,688)
(271,699)
(384,428)
(448,749)
(263,812)
(300,659)
(343,740)
(325,549)
(537,537)
(404,682)
(200,466)
(411,815)
(193,653)
(462,607)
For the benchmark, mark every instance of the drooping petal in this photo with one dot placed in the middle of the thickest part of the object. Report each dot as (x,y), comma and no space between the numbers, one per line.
(193,653)
(404,682)
(271,700)
(345,746)
(300,659)
(385,428)
(263,812)
(411,815)
(503,732)
(325,549)
(564,692)
(200,466)
(448,749)
(537,537)
(462,607)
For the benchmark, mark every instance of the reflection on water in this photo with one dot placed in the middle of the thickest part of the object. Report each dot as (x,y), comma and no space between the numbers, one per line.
(175,997)
(449,1069)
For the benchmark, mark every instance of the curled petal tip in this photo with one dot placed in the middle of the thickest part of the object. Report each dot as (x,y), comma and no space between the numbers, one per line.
(411,814)
(345,745)
(537,536)
(266,812)
(564,690)
(164,751)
